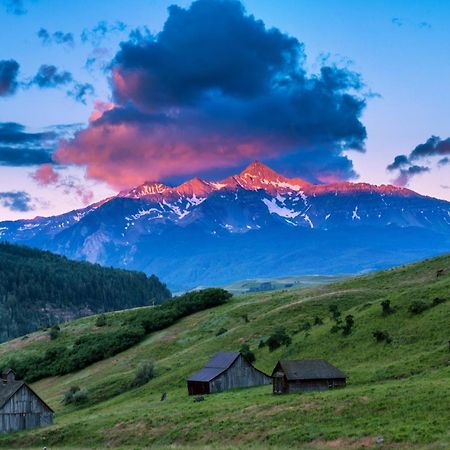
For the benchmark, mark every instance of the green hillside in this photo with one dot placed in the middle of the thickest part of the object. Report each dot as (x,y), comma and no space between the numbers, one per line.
(38,289)
(398,388)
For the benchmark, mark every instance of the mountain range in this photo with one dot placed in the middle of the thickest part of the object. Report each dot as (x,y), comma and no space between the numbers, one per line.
(257,223)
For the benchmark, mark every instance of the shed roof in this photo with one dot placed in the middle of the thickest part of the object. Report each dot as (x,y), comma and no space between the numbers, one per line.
(7,390)
(309,369)
(220,362)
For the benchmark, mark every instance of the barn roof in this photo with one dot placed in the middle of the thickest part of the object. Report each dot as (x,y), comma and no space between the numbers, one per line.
(220,362)
(309,369)
(7,390)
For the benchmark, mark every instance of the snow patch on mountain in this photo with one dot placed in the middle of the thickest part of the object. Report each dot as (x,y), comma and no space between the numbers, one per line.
(355,214)
(281,211)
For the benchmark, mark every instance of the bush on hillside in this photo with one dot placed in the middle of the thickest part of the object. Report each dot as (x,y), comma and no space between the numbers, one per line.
(278,338)
(335,313)
(417,307)
(101,321)
(247,353)
(75,395)
(382,336)
(54,332)
(221,331)
(386,308)
(144,373)
(437,301)
(245,318)
(92,347)
(349,322)
(318,320)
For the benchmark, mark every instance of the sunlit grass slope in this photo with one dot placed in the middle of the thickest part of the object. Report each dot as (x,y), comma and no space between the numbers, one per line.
(400,390)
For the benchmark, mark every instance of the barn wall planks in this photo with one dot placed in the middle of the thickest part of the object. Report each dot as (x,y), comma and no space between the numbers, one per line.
(239,374)
(24,410)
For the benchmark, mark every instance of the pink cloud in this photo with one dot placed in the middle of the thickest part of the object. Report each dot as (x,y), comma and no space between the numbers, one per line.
(45,175)
(125,155)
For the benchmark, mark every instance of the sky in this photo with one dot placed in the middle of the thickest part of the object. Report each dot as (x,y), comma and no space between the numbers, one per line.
(99,96)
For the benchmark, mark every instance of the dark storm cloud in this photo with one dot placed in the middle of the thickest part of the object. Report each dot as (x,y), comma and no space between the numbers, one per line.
(219,88)
(434,146)
(16,201)
(18,147)
(58,37)
(407,164)
(9,69)
(399,162)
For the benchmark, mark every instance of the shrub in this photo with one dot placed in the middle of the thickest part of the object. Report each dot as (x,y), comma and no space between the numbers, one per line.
(75,395)
(278,338)
(221,331)
(92,347)
(386,307)
(349,322)
(318,320)
(54,333)
(437,301)
(247,353)
(144,373)
(245,318)
(417,307)
(262,343)
(335,313)
(335,329)
(306,326)
(101,321)
(382,336)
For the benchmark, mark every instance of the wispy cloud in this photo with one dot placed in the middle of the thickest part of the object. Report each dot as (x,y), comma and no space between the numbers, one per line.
(57,37)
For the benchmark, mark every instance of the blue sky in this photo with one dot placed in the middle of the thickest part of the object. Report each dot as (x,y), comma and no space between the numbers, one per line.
(401,49)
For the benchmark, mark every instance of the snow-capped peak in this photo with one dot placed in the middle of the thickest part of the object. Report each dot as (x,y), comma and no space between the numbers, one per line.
(145,189)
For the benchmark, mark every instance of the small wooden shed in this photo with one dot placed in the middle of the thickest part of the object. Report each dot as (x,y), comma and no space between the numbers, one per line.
(20,407)
(306,375)
(224,371)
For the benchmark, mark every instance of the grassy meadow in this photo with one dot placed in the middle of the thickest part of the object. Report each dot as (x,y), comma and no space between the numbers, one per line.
(399,391)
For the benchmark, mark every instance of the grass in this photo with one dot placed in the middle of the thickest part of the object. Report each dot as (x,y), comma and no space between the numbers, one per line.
(400,390)
(272,284)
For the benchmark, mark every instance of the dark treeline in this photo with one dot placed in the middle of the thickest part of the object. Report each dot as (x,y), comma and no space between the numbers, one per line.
(63,358)
(39,289)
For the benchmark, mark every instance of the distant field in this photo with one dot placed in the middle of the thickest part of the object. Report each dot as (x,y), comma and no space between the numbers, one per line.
(399,391)
(278,283)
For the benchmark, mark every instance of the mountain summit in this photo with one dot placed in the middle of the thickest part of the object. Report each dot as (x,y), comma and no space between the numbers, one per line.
(257,223)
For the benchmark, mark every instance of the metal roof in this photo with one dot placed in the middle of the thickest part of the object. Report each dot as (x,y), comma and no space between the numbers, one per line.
(309,369)
(220,362)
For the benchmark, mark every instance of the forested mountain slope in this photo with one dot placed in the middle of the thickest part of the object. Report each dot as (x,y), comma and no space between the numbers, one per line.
(39,289)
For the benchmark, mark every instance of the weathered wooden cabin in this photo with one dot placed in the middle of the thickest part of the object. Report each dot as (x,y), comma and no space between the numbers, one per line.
(226,370)
(20,407)
(306,375)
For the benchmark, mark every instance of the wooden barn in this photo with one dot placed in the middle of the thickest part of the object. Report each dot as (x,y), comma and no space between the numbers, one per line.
(306,375)
(20,407)
(225,370)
